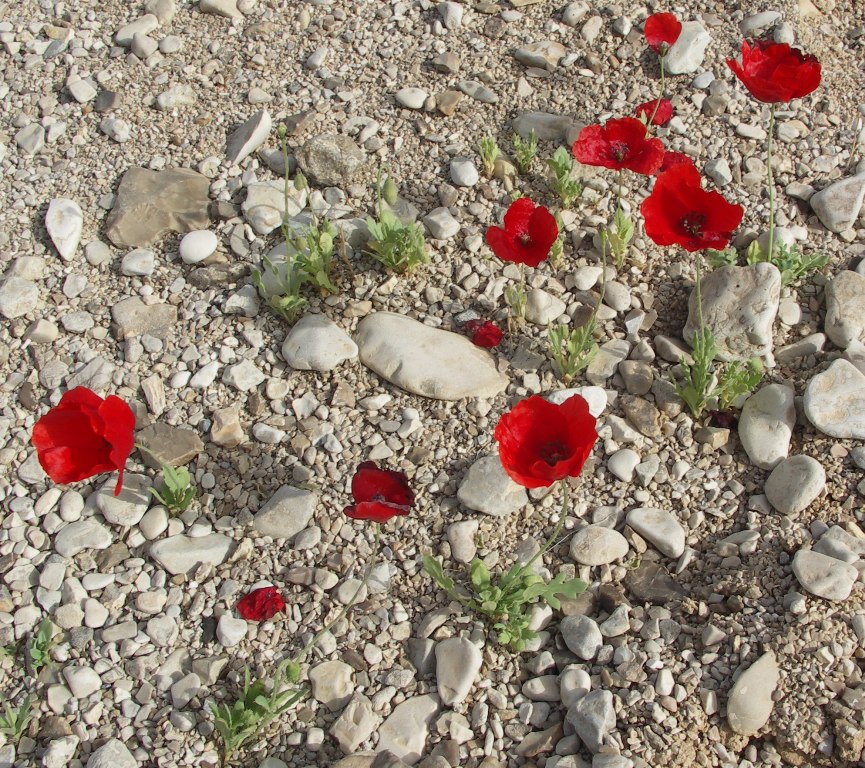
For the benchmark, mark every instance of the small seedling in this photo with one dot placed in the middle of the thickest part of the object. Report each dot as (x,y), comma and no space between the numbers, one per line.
(286,300)
(40,646)
(791,262)
(490,152)
(14,721)
(557,250)
(515,298)
(619,236)
(572,350)
(178,490)
(397,246)
(737,379)
(259,704)
(525,151)
(314,254)
(562,182)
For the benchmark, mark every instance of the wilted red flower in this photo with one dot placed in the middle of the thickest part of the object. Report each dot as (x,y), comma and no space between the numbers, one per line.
(619,143)
(483,333)
(527,236)
(540,442)
(774,72)
(680,212)
(84,435)
(661,31)
(379,494)
(662,115)
(261,604)
(675,158)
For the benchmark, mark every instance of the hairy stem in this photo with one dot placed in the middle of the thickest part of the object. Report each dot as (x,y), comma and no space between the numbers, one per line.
(770,180)
(660,95)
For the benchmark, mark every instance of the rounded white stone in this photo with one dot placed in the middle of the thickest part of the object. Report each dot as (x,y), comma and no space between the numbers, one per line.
(196,246)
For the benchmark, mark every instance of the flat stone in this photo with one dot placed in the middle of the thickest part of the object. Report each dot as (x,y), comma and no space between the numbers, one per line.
(660,528)
(129,506)
(794,484)
(605,363)
(824,576)
(596,397)
(426,361)
(230,630)
(845,308)
(81,535)
(226,8)
(139,262)
(405,731)
(243,376)
(766,425)
(316,343)
(598,545)
(543,308)
(132,317)
(64,222)
(265,207)
(286,513)
(180,95)
(248,137)
(477,91)
(834,401)
(356,724)
(458,664)
(18,297)
(179,554)
(82,681)
(593,717)
(331,160)
(739,306)
(461,537)
(838,205)
(687,53)
(487,488)
(31,139)
(441,224)
(112,754)
(545,54)
(547,127)
(411,98)
(59,753)
(750,703)
(175,446)
(332,684)
(582,636)
(150,204)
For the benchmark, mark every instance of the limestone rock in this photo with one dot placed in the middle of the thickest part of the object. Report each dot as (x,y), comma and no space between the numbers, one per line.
(835,401)
(795,483)
(487,488)
(406,729)
(749,705)
(766,425)
(845,308)
(331,160)
(180,553)
(286,513)
(64,222)
(316,343)
(838,205)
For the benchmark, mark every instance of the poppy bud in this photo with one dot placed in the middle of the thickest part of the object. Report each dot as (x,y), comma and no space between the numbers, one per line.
(388,191)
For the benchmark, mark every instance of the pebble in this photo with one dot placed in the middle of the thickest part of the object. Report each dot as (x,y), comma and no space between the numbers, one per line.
(81,535)
(593,717)
(441,224)
(838,205)
(138,262)
(545,54)
(355,725)
(598,545)
(286,513)
(451,13)
(487,488)
(332,684)
(463,172)
(687,53)
(543,308)
(243,376)
(458,663)
(198,245)
(461,537)
(331,159)
(112,754)
(405,731)
(660,528)
(82,681)
(845,308)
(248,137)
(794,484)
(116,129)
(316,343)
(411,98)
(766,425)
(834,401)
(64,222)
(824,576)
(230,631)
(623,463)
(750,703)
(582,636)
(179,554)
(18,297)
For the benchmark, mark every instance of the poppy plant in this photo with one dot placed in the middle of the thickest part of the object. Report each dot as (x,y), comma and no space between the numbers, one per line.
(541,442)
(661,31)
(261,604)
(483,333)
(775,72)
(680,212)
(621,143)
(84,435)
(527,236)
(675,158)
(379,494)
(658,111)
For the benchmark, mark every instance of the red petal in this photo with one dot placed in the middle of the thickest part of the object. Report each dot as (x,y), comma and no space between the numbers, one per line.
(661,28)
(260,604)
(518,215)
(501,244)
(373,484)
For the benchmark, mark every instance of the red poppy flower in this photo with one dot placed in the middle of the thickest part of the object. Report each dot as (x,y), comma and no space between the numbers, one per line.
(675,158)
(661,31)
(260,604)
(774,72)
(379,494)
(540,442)
(527,236)
(680,212)
(83,436)
(619,143)
(483,333)
(662,115)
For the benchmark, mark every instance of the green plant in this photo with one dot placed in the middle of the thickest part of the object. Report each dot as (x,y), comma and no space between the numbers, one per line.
(619,236)
(259,704)
(572,349)
(314,254)
(40,646)
(562,182)
(8,651)
(489,152)
(397,246)
(14,721)
(515,298)
(525,151)
(791,262)
(738,378)
(178,490)
(285,300)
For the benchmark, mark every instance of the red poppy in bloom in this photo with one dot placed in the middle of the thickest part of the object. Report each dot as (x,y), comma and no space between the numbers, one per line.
(680,212)
(260,604)
(84,435)
(527,236)
(483,333)
(379,494)
(661,31)
(675,158)
(540,442)
(662,115)
(774,72)
(619,143)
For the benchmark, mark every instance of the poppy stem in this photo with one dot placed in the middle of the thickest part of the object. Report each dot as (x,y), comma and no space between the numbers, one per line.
(660,96)
(770,180)
(347,607)
(553,536)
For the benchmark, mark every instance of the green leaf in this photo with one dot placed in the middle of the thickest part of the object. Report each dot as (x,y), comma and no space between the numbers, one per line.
(479,574)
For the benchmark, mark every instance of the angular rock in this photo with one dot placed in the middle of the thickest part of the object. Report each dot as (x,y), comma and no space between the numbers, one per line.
(766,425)
(316,343)
(150,204)
(686,54)
(749,704)
(175,446)
(660,528)
(739,306)
(406,729)
(582,636)
(64,222)
(265,207)
(544,55)
(650,582)
(132,317)
(487,488)
(426,361)
(824,576)
(835,401)
(593,717)
(441,224)
(112,754)
(845,308)
(248,137)
(331,160)
(794,484)
(355,725)
(838,205)
(18,297)
(458,663)
(598,545)
(547,127)
(332,684)
(180,553)
(129,506)
(286,513)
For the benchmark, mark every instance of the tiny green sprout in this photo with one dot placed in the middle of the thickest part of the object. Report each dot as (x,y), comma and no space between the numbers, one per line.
(397,246)
(525,151)
(15,720)
(572,349)
(178,491)
(41,643)
(562,183)
(515,298)
(619,236)
(490,152)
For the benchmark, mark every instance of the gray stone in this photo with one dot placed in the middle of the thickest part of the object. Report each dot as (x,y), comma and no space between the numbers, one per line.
(834,401)
(687,53)
(129,506)
(487,488)
(426,361)
(248,137)
(150,204)
(542,308)
(116,129)
(739,306)
(180,553)
(766,425)
(824,576)
(166,444)
(795,483)
(623,463)
(838,205)
(230,630)
(64,222)
(441,224)
(598,545)
(605,363)
(265,207)
(477,91)
(18,297)
(286,513)
(451,13)
(332,684)
(405,730)
(59,752)
(461,537)
(138,262)
(463,172)
(845,308)
(226,8)
(81,535)
(142,25)
(356,724)
(31,138)
(316,343)
(132,317)
(574,13)
(458,663)
(112,754)
(593,717)
(582,636)
(180,95)
(331,160)
(547,127)
(544,55)
(82,681)
(750,703)
(660,528)
(411,98)
(243,376)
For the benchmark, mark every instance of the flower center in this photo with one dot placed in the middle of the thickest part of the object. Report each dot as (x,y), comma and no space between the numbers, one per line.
(693,223)
(524,238)
(554,452)
(619,150)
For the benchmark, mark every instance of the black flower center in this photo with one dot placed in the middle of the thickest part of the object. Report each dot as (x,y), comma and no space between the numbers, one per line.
(619,150)
(553,452)
(693,223)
